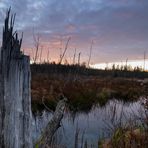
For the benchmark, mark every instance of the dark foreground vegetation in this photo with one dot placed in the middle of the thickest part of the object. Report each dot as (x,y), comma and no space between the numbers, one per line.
(84,87)
(115,71)
(131,134)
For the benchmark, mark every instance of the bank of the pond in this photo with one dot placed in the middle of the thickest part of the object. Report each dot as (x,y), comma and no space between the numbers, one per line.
(83,92)
(88,128)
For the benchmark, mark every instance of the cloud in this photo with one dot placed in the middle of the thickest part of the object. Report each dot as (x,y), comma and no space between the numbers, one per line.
(118,27)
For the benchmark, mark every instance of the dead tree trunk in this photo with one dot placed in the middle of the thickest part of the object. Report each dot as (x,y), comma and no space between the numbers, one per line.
(79,58)
(15,98)
(90,54)
(74,57)
(45,140)
(62,56)
(15,101)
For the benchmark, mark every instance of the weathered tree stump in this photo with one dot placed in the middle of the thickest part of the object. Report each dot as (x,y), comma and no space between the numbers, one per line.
(15,98)
(15,95)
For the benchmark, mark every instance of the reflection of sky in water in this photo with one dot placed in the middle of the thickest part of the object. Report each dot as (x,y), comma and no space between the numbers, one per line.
(95,124)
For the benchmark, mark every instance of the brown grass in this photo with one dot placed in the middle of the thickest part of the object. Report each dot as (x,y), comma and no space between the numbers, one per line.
(82,92)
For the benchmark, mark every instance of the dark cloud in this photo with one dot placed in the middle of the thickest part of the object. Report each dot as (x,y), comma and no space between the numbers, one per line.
(119,28)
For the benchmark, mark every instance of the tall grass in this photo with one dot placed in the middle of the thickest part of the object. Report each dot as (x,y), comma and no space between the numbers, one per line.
(130,134)
(83,92)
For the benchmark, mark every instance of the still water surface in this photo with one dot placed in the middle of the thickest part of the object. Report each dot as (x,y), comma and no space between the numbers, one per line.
(91,126)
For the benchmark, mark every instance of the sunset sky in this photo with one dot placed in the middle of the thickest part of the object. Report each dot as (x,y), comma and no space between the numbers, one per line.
(119,28)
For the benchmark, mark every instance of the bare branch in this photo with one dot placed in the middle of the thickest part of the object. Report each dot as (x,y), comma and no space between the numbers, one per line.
(41,54)
(90,53)
(65,50)
(36,39)
(79,58)
(74,56)
(48,56)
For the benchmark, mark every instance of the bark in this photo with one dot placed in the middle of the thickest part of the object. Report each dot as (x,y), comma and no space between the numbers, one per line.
(15,95)
(15,98)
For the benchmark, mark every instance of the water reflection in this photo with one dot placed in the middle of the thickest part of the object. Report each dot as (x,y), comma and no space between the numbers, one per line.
(92,126)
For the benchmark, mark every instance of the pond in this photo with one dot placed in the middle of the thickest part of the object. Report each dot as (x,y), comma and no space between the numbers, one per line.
(90,127)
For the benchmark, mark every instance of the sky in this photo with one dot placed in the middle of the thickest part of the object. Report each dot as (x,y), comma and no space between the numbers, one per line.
(118,28)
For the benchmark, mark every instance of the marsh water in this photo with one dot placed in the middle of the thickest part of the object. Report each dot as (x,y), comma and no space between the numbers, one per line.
(92,126)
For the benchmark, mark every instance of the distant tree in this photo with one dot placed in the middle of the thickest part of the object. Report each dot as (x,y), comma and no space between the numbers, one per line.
(113,67)
(90,53)
(83,64)
(36,39)
(66,62)
(41,54)
(74,56)
(79,58)
(66,47)
(48,56)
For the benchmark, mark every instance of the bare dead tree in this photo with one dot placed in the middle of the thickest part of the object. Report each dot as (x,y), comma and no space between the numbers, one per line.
(36,39)
(14,77)
(61,48)
(90,53)
(106,68)
(66,47)
(48,56)
(10,38)
(126,63)
(32,54)
(79,58)
(74,56)
(41,54)
(144,60)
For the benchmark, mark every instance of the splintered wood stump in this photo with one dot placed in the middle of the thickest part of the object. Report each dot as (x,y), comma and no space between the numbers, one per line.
(15,96)
(45,140)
